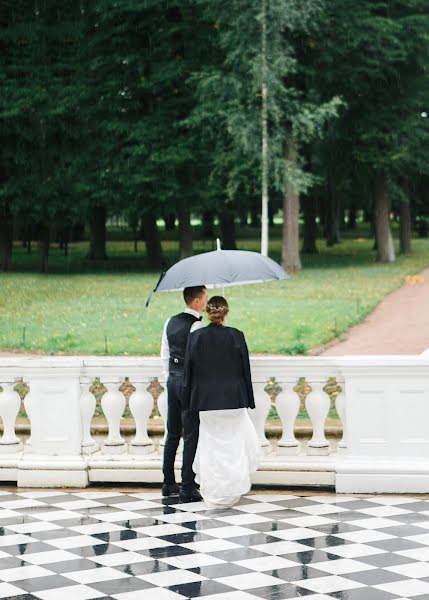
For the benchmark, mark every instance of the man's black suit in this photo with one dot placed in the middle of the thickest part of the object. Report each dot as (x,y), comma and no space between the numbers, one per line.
(179,420)
(217,370)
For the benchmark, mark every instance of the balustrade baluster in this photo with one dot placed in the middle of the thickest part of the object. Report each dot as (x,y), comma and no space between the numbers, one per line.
(87,408)
(10,403)
(113,404)
(340,405)
(163,411)
(318,404)
(260,413)
(28,410)
(141,405)
(287,404)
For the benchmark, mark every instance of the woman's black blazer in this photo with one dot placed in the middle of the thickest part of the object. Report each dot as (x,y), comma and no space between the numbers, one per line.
(217,370)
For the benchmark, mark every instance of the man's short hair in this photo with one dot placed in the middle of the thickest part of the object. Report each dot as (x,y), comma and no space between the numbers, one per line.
(190,293)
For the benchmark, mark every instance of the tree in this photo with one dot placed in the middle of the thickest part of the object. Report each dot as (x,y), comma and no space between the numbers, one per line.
(373,54)
(38,114)
(230,93)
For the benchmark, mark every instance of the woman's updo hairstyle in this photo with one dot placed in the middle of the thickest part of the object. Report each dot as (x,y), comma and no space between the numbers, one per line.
(217,309)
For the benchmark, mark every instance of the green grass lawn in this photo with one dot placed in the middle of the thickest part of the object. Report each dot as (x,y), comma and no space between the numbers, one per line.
(103,312)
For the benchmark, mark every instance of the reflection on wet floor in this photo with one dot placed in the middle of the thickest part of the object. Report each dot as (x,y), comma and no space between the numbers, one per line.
(127,545)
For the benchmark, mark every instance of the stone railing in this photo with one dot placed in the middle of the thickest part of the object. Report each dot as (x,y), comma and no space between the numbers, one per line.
(382,403)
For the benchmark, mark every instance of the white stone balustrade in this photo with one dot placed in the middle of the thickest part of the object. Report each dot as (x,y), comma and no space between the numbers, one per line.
(10,403)
(383,448)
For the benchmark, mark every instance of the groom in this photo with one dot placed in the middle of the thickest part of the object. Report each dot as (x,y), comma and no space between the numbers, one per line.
(179,421)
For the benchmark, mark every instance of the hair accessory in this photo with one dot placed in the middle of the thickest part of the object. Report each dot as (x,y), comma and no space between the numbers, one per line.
(212,307)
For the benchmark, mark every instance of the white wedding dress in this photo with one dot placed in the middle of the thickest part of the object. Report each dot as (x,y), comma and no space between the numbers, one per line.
(228,453)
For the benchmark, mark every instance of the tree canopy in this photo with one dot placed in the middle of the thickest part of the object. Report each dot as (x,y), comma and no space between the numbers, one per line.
(153,110)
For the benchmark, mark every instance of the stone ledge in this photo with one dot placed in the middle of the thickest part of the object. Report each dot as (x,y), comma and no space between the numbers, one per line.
(77,471)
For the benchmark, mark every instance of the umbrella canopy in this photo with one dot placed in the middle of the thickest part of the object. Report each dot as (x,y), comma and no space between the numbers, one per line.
(219,269)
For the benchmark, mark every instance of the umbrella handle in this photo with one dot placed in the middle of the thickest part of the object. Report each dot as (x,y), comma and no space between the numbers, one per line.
(161,277)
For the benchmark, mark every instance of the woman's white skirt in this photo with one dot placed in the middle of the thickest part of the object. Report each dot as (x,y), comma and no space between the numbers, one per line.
(228,453)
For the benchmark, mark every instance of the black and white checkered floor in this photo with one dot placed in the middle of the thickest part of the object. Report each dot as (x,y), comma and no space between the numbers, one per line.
(131,546)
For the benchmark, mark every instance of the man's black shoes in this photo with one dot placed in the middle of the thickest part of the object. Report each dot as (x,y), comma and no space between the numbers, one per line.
(170,490)
(192,496)
(184,495)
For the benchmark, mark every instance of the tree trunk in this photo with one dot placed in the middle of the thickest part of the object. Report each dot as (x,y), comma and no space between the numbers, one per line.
(59,237)
(152,240)
(321,210)
(208,224)
(227,228)
(368,215)
(29,234)
(170,222)
(270,214)
(77,233)
(291,260)
(351,225)
(44,242)
(309,206)
(64,238)
(332,231)
(243,217)
(405,220)
(383,233)
(97,232)
(255,218)
(185,234)
(6,240)
(342,225)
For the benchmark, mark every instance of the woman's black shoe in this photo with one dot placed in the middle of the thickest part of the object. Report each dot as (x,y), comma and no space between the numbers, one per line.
(170,490)
(193,496)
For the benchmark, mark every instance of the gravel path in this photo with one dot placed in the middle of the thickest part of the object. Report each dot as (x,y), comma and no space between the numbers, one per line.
(399,325)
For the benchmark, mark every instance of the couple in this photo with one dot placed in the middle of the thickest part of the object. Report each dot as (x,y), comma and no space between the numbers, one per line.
(209,390)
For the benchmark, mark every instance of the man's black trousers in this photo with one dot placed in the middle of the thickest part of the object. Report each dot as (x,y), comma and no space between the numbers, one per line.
(180,422)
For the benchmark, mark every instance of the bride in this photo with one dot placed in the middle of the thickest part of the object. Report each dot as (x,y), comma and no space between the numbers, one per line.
(217,384)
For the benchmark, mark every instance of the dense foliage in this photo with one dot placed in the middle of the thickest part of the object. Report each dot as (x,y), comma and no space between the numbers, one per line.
(152,110)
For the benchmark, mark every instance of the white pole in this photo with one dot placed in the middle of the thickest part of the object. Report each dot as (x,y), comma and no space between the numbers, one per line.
(218,247)
(264,123)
